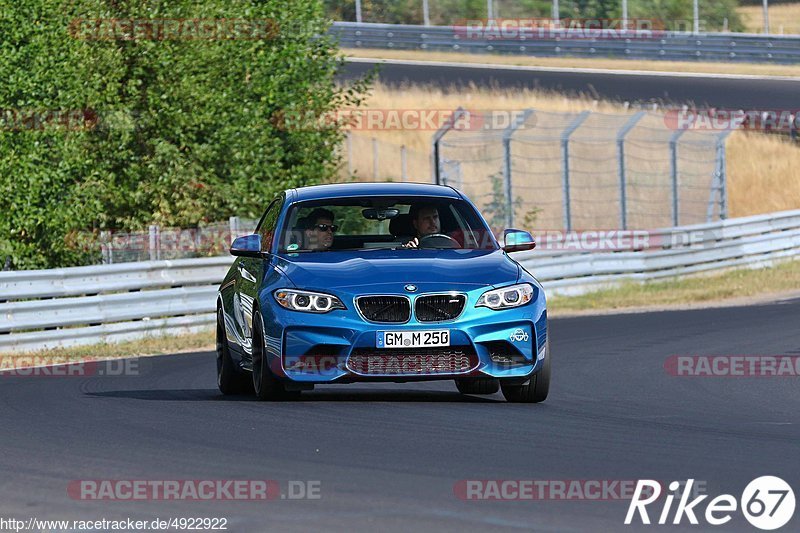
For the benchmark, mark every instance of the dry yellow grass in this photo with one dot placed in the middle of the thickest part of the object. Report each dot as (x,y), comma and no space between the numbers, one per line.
(741,285)
(783,18)
(763,174)
(762,169)
(202,341)
(575,62)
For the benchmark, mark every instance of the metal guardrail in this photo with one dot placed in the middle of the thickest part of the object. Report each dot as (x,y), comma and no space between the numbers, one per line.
(112,303)
(738,47)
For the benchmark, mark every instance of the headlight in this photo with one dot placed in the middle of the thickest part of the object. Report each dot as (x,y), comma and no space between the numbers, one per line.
(513,296)
(306,301)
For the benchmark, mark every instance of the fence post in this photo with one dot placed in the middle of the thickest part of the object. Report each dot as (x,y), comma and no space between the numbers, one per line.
(508,133)
(153,244)
(234,225)
(403,164)
(720,179)
(375,159)
(673,173)
(623,194)
(106,247)
(435,152)
(577,121)
(349,153)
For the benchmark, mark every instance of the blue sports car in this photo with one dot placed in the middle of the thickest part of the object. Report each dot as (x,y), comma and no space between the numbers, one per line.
(380,282)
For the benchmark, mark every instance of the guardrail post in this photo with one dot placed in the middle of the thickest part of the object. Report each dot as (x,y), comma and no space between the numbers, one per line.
(673,173)
(577,121)
(436,169)
(508,133)
(623,198)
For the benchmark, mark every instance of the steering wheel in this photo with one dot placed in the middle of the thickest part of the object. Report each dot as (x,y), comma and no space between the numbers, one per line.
(443,241)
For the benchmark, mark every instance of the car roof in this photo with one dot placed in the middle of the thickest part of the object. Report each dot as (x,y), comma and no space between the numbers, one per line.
(343,190)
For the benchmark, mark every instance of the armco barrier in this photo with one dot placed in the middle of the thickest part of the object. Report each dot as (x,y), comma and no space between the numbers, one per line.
(676,46)
(84,305)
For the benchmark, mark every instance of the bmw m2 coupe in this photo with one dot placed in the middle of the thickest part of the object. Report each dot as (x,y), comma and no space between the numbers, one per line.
(380,282)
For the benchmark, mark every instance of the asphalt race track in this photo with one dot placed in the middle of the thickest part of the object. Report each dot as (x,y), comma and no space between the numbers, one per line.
(732,93)
(388,456)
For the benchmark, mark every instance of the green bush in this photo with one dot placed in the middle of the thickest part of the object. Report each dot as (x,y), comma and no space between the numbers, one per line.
(179,132)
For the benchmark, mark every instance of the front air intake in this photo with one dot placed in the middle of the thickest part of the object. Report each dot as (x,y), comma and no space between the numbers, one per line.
(386,309)
(439,307)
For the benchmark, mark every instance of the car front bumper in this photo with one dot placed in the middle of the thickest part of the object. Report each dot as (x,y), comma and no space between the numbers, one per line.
(340,347)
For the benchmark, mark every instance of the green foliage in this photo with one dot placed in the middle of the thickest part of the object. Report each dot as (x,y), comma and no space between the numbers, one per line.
(677,14)
(186,130)
(496,208)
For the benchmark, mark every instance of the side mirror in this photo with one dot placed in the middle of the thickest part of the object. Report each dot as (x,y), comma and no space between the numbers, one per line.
(515,240)
(247,246)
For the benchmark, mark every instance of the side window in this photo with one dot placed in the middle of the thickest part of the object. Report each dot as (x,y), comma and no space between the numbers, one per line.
(266,228)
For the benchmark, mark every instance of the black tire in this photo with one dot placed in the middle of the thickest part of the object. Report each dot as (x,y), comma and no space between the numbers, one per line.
(230,379)
(537,388)
(478,386)
(265,384)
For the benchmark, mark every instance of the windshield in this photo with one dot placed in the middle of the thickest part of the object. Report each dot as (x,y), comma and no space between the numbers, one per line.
(384,222)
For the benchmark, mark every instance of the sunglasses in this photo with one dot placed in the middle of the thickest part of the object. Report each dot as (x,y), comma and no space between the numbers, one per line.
(326,227)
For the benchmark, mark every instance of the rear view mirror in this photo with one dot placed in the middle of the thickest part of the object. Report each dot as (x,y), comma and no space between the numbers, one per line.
(247,246)
(379,213)
(515,240)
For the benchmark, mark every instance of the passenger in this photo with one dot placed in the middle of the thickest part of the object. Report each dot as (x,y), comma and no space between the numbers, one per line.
(319,230)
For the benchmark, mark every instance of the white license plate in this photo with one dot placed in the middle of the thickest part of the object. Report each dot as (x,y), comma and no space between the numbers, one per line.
(412,339)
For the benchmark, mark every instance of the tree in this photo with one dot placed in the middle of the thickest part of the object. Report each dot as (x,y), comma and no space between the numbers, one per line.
(187,129)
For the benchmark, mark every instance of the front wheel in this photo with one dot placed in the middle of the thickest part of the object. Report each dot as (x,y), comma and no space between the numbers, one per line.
(230,379)
(265,384)
(537,388)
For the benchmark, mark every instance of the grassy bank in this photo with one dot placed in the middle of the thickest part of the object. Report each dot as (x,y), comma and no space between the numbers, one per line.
(734,286)
(195,342)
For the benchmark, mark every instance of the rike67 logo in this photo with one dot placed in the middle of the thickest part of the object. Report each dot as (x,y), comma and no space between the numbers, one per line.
(767,503)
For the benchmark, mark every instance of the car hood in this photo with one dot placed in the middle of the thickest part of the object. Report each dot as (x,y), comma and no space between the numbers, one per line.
(427,268)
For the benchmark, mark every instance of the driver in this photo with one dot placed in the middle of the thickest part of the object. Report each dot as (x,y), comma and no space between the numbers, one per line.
(425,219)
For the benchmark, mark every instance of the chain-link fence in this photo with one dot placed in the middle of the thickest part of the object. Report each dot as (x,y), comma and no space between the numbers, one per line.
(171,243)
(586,170)
(545,170)
(368,158)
